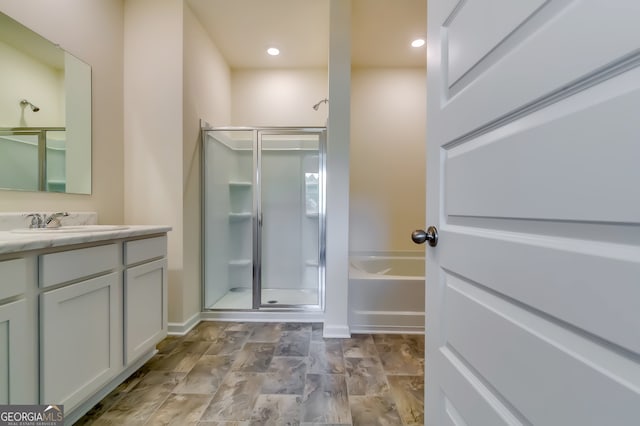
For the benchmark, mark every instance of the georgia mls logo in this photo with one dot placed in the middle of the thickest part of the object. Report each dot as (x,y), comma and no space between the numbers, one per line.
(31,415)
(55,408)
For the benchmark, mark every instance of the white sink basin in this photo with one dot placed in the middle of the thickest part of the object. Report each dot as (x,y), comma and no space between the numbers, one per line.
(70,229)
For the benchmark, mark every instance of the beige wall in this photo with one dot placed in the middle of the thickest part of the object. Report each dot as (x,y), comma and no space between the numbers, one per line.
(25,77)
(207,96)
(174,76)
(92,31)
(280,97)
(387,171)
(153,128)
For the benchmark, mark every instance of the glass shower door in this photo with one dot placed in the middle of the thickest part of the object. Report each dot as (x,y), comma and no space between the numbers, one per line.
(291,213)
(228,224)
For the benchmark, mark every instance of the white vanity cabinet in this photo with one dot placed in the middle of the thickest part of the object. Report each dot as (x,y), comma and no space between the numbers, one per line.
(145,295)
(80,323)
(77,319)
(18,381)
(13,317)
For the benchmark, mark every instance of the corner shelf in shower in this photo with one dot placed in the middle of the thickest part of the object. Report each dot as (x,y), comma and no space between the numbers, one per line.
(240,262)
(56,185)
(239,184)
(235,217)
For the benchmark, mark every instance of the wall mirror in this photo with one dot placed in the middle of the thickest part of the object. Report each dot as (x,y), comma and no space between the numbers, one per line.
(45,114)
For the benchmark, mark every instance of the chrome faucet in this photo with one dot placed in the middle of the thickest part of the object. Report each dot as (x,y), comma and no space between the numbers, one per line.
(53,220)
(41,220)
(37,221)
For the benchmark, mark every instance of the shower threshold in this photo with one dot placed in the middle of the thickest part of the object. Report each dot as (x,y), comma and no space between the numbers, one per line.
(241,298)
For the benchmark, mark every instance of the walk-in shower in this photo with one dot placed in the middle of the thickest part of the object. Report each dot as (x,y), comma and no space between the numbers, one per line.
(263,218)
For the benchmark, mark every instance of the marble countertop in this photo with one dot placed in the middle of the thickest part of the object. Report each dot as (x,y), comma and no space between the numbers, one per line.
(11,242)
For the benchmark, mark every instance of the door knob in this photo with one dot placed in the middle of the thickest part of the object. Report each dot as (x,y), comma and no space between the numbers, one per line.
(419,236)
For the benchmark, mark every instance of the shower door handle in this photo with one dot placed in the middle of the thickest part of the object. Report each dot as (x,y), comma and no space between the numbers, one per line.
(419,236)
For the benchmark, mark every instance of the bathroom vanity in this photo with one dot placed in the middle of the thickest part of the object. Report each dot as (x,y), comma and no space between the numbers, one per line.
(79,312)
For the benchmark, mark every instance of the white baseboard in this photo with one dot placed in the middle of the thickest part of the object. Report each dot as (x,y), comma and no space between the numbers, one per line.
(262,316)
(386,329)
(388,322)
(336,331)
(329,331)
(180,329)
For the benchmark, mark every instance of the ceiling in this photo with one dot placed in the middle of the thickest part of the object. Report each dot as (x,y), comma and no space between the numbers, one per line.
(382,31)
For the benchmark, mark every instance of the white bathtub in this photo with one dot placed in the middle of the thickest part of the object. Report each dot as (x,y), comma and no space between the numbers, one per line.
(386,293)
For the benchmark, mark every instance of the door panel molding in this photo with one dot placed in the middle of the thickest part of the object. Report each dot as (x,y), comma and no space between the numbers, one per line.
(609,71)
(562,41)
(577,265)
(500,174)
(502,20)
(541,364)
(475,397)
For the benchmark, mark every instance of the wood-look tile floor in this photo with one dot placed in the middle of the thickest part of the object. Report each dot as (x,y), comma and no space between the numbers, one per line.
(240,374)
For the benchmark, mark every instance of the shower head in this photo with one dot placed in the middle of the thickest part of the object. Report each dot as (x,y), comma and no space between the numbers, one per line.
(25,102)
(316,106)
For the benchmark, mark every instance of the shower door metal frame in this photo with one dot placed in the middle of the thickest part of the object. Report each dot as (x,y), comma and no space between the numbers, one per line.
(41,133)
(257,279)
(257,214)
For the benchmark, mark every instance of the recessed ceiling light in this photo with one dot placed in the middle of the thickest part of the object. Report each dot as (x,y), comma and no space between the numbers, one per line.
(273,51)
(419,42)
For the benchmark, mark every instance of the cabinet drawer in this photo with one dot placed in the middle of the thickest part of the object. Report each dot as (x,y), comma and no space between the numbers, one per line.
(14,277)
(147,249)
(56,268)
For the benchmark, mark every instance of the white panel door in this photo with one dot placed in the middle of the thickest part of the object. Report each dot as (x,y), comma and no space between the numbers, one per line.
(533,181)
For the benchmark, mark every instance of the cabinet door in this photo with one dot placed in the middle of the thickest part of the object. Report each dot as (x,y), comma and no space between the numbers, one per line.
(81,339)
(14,367)
(145,301)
